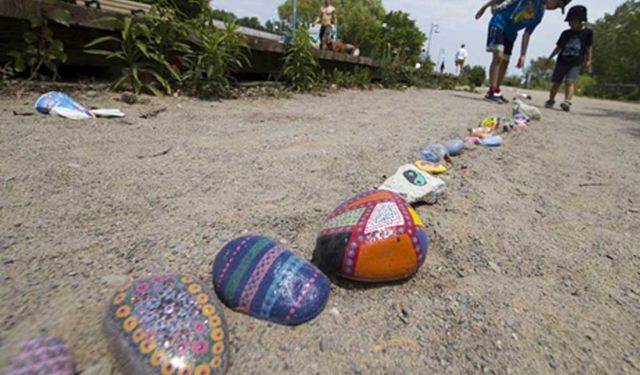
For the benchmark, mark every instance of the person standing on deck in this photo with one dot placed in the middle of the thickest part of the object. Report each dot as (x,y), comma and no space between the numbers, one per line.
(328,19)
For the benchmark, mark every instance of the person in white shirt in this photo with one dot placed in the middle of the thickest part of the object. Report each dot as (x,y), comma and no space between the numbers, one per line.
(461,56)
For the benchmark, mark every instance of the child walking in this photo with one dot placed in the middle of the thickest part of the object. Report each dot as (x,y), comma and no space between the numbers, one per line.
(509,17)
(574,45)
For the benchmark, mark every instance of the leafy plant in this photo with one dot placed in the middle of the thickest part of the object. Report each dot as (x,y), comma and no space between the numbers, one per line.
(146,68)
(300,64)
(43,50)
(360,77)
(209,65)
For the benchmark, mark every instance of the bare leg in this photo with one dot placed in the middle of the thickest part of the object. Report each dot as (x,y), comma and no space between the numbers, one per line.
(569,90)
(503,71)
(496,66)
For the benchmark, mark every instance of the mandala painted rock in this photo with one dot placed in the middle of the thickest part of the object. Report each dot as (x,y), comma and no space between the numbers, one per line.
(261,278)
(375,236)
(169,324)
(42,355)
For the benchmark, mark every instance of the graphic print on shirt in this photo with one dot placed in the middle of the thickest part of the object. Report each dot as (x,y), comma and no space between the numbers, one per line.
(525,14)
(573,47)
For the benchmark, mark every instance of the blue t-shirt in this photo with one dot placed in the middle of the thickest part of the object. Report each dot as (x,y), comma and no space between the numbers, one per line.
(514,15)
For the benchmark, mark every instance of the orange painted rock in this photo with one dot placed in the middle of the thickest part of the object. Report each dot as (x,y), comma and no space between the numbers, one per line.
(375,236)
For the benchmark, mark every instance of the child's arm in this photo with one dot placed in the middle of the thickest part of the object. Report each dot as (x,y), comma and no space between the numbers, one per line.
(488,4)
(523,50)
(589,56)
(555,52)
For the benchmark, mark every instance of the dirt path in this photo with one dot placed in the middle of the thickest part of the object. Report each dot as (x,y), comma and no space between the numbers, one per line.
(534,264)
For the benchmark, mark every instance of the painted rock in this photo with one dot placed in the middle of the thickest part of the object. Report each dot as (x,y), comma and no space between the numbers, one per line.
(521,116)
(373,237)
(261,278)
(414,185)
(530,111)
(480,132)
(490,122)
(429,167)
(493,141)
(168,324)
(42,355)
(455,147)
(429,155)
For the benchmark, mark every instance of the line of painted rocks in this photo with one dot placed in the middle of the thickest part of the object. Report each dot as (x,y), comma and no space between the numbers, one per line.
(168,324)
(373,237)
(415,185)
(258,276)
(42,355)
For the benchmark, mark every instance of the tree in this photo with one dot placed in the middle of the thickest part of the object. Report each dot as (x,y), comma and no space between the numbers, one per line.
(269,26)
(616,52)
(307,12)
(539,73)
(223,15)
(401,36)
(252,22)
(476,75)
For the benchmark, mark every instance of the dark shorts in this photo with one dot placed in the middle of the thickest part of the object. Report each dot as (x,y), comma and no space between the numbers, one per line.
(565,72)
(499,40)
(325,29)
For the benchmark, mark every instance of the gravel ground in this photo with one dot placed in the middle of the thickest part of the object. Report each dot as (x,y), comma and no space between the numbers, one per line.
(534,264)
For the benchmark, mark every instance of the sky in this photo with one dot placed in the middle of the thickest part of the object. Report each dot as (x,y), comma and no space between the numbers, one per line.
(456,22)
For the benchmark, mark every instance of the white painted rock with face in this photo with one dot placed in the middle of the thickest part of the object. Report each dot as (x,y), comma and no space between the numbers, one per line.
(414,185)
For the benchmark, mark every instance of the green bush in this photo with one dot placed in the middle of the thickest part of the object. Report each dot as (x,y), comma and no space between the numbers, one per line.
(301,68)
(359,78)
(513,81)
(586,86)
(475,75)
(175,46)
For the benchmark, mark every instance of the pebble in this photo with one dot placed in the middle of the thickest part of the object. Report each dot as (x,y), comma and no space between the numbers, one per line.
(494,267)
(91,94)
(511,322)
(356,369)
(335,312)
(114,280)
(87,261)
(178,248)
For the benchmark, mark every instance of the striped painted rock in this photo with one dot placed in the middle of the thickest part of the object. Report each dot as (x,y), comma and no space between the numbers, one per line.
(168,324)
(261,278)
(42,355)
(374,236)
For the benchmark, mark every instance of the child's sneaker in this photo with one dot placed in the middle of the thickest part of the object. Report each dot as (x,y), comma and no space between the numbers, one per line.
(503,99)
(493,97)
(549,103)
(566,106)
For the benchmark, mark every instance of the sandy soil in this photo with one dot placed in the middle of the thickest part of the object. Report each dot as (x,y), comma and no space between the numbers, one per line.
(534,264)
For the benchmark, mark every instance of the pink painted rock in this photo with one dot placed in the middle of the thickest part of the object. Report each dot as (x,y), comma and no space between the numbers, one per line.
(168,324)
(42,356)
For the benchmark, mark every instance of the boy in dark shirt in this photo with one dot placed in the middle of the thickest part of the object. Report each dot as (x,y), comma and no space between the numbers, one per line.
(574,46)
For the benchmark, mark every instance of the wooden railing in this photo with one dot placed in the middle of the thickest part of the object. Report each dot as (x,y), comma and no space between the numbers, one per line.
(116,6)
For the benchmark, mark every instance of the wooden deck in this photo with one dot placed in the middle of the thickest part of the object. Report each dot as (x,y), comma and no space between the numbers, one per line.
(88,24)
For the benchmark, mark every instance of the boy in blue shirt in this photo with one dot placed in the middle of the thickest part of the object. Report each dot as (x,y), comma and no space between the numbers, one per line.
(574,46)
(509,17)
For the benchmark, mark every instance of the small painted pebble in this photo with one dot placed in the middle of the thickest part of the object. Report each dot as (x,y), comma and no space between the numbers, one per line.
(258,276)
(168,324)
(42,355)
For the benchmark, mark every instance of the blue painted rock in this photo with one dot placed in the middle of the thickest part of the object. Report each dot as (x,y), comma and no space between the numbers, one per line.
(454,147)
(373,237)
(42,355)
(261,278)
(429,156)
(521,116)
(168,324)
(493,141)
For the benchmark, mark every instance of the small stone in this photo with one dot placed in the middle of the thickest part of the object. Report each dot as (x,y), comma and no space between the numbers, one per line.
(114,280)
(356,369)
(169,324)
(494,267)
(372,237)
(335,312)
(102,368)
(634,210)
(511,322)
(178,248)
(258,276)
(8,260)
(42,355)
(86,261)
(72,273)
(499,345)
(91,94)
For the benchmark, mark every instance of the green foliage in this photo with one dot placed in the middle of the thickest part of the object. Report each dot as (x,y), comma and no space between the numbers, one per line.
(145,65)
(175,46)
(307,10)
(360,23)
(208,66)
(401,36)
(616,51)
(476,75)
(540,73)
(359,78)
(301,64)
(586,86)
(512,80)
(43,50)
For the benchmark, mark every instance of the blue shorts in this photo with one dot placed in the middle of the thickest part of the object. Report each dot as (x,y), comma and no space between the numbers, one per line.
(565,72)
(497,39)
